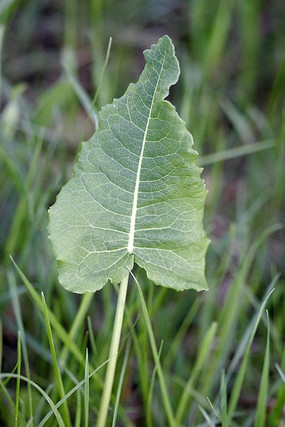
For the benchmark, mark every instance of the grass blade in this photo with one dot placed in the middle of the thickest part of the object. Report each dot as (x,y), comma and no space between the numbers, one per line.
(218,37)
(86,391)
(77,323)
(81,94)
(224,404)
(91,337)
(70,392)
(121,380)
(18,314)
(41,391)
(203,353)
(281,373)
(60,331)
(98,90)
(210,423)
(276,413)
(165,396)
(17,397)
(2,32)
(263,388)
(241,374)
(78,409)
(59,381)
(1,344)
(231,309)
(150,392)
(233,153)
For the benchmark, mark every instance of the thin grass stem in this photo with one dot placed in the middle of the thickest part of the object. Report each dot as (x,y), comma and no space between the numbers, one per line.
(18,315)
(86,391)
(164,392)
(59,381)
(19,363)
(121,380)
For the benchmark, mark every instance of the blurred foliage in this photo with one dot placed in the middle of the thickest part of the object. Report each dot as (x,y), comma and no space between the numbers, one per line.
(231,96)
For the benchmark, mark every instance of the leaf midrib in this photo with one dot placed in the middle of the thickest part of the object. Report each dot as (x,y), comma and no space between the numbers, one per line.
(130,246)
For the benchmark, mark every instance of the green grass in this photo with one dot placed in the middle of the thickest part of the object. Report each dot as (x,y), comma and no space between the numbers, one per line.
(214,358)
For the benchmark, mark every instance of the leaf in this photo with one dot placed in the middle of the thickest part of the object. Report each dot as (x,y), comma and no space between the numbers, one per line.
(136,195)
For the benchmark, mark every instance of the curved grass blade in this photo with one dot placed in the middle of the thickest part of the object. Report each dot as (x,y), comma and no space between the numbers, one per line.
(69,393)
(41,391)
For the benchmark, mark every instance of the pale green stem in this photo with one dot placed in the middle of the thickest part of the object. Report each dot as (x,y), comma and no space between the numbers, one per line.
(113,353)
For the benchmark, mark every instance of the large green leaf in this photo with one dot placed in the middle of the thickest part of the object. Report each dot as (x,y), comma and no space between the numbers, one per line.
(136,194)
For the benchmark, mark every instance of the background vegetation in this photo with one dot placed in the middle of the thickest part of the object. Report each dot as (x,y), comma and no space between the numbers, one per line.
(222,357)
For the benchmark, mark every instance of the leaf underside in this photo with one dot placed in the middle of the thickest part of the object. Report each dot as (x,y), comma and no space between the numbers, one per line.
(136,195)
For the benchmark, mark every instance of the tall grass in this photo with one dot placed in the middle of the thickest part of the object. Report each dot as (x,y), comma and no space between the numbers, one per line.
(189,359)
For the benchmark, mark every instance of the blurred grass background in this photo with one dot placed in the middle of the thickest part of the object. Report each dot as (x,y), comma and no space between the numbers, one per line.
(231,96)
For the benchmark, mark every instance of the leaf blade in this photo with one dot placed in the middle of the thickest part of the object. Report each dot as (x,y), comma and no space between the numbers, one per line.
(136,193)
